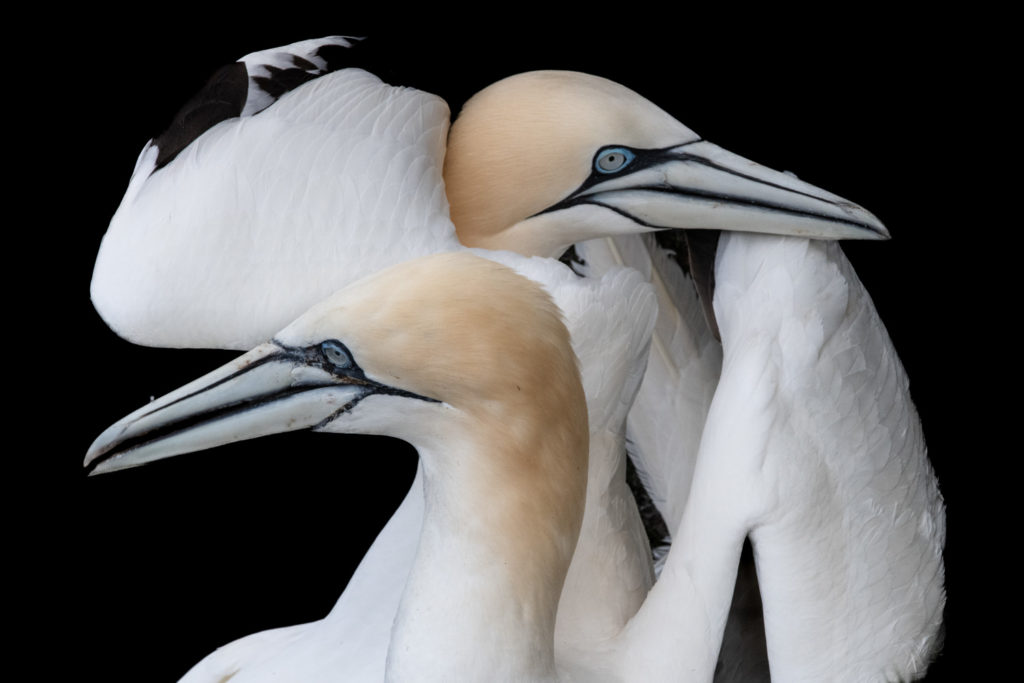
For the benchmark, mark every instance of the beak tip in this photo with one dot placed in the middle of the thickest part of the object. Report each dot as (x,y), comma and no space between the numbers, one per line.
(92,465)
(868,225)
(101,445)
(90,456)
(105,443)
(95,464)
(881,232)
(875,231)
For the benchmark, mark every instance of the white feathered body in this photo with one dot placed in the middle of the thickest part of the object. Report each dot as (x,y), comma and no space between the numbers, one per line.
(610,319)
(814,445)
(810,444)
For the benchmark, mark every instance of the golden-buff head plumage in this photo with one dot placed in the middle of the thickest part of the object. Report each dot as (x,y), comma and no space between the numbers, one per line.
(490,344)
(455,327)
(528,141)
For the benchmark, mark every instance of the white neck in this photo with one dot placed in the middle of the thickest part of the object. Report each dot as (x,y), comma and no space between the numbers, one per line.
(482,595)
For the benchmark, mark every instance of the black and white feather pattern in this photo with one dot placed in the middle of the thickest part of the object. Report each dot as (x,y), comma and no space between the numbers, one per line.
(249,86)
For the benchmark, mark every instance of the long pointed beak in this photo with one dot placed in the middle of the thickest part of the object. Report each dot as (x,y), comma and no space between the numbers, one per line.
(699,185)
(266,391)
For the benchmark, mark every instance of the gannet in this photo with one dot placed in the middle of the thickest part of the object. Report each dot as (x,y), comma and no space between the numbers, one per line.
(270,210)
(496,411)
(173,319)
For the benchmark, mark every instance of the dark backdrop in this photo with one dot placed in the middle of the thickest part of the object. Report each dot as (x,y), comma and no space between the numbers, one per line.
(157,566)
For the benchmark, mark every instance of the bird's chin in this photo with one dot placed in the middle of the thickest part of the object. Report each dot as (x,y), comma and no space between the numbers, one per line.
(415,422)
(550,234)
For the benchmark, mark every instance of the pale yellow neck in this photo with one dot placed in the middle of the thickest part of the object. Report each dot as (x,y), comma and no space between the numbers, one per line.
(504,495)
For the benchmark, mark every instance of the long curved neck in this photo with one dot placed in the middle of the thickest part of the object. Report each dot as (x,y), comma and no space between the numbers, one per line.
(501,520)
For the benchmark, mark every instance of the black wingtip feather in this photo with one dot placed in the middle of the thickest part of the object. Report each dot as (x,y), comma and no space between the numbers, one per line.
(221,98)
(225,94)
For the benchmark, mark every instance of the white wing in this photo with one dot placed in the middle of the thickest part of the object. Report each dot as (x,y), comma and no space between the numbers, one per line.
(196,254)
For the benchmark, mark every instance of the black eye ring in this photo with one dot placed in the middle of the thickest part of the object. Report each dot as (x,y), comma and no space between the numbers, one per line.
(336,355)
(613,159)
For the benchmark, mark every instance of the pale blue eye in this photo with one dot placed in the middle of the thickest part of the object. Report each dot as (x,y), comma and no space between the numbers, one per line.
(613,159)
(336,354)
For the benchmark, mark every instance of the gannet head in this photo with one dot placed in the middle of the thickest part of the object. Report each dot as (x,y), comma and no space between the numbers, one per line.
(544,159)
(451,338)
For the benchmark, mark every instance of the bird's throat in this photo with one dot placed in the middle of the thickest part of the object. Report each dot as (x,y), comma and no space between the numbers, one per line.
(498,535)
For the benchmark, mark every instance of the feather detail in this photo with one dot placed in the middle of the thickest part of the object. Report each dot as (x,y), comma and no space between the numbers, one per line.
(845,514)
(346,162)
(667,418)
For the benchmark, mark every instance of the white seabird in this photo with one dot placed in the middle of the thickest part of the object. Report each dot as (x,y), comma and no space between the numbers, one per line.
(508,387)
(173,320)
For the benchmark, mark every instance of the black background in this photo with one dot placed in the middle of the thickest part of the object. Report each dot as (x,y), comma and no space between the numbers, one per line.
(138,575)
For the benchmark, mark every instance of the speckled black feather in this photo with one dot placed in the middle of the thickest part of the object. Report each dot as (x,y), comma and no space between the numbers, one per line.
(225,94)
(221,98)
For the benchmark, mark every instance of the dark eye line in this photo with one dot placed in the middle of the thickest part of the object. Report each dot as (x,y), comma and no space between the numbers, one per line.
(608,153)
(336,354)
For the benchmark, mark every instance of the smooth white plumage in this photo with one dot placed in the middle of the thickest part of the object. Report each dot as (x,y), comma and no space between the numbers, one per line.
(612,545)
(812,449)
(828,475)
(319,240)
(263,215)
(841,416)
